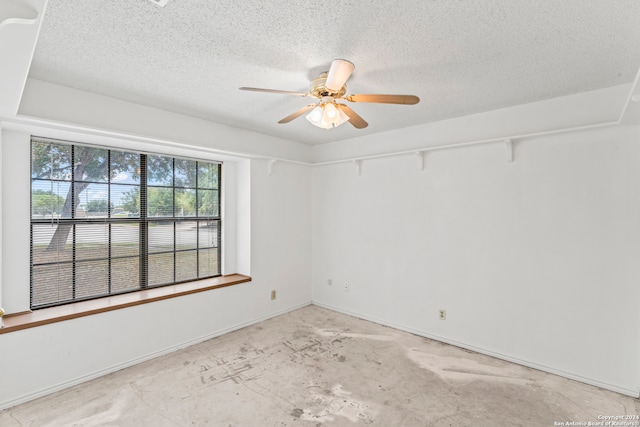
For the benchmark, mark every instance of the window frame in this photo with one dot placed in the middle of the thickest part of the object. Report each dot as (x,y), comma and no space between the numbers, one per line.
(143,221)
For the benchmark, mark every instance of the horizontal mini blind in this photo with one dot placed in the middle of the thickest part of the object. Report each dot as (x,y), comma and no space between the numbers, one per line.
(106,221)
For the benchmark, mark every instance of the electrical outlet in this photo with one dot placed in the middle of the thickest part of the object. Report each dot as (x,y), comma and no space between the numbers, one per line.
(273,294)
(330,282)
(346,287)
(443,314)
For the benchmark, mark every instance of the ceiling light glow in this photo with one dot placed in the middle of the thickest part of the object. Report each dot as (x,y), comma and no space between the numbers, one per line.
(327,116)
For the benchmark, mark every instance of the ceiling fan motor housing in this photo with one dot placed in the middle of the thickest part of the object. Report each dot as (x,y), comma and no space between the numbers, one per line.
(319,90)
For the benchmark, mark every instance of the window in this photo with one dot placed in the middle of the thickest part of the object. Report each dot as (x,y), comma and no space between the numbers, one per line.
(106,221)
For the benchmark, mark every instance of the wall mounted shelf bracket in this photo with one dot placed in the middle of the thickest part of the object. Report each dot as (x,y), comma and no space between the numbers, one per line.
(16,12)
(270,164)
(422,159)
(509,146)
(358,165)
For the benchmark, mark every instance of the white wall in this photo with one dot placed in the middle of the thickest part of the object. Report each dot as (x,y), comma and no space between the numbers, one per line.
(534,261)
(17,45)
(268,232)
(281,230)
(62,104)
(1,223)
(16,190)
(581,109)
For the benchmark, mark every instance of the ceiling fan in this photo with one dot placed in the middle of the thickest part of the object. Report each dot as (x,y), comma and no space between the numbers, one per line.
(330,87)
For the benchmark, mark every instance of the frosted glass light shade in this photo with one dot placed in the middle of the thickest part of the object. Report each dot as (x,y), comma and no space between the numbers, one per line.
(327,116)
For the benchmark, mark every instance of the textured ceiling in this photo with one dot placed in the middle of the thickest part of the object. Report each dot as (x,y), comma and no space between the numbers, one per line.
(459,57)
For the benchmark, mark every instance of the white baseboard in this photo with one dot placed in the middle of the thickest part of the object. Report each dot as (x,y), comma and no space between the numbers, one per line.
(114,368)
(548,369)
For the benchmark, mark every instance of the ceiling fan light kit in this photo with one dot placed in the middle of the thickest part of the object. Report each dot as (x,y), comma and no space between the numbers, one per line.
(329,87)
(327,115)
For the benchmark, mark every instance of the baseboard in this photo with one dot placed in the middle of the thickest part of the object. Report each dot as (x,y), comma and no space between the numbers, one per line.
(547,369)
(114,368)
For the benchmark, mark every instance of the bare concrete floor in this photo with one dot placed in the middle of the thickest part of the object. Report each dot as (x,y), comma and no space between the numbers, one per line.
(315,367)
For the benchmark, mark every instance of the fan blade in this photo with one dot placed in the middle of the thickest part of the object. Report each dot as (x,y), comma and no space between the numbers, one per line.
(355,119)
(297,113)
(384,99)
(286,92)
(338,75)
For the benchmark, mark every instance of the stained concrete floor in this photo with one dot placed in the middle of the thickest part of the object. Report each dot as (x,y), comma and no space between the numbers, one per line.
(315,367)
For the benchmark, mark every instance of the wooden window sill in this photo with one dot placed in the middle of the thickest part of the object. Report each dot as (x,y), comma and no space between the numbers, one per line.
(31,319)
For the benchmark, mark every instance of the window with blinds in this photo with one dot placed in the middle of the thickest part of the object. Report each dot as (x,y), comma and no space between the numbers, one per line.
(107,221)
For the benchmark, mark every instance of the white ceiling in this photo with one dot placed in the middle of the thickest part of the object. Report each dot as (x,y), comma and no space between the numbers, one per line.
(459,57)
